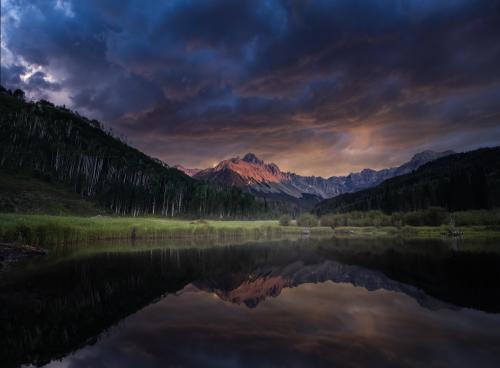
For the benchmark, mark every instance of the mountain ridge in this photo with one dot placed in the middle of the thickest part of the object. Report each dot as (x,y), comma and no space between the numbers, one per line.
(463,181)
(188,171)
(266,180)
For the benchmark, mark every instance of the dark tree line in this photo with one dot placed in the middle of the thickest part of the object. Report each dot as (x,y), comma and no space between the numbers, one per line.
(465,181)
(101,291)
(59,145)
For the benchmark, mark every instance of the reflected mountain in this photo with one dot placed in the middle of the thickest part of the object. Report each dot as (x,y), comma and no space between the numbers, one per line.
(50,307)
(253,288)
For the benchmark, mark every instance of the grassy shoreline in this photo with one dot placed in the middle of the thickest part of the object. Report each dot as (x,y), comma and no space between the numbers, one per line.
(417,232)
(45,230)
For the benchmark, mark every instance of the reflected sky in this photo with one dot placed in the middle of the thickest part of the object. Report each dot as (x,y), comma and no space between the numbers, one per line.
(324,324)
(310,302)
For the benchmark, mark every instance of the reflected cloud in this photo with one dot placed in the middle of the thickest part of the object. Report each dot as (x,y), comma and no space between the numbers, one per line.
(326,324)
(252,304)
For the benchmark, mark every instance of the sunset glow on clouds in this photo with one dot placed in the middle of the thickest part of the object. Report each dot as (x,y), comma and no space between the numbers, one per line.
(319,87)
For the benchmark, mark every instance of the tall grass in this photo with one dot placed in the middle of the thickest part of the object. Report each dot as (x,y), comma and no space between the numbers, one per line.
(55,230)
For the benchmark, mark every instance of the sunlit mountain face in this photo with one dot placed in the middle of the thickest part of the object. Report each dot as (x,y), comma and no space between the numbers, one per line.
(262,179)
(321,88)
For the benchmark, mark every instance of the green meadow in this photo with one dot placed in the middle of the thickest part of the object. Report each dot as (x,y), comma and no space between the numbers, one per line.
(46,230)
(51,230)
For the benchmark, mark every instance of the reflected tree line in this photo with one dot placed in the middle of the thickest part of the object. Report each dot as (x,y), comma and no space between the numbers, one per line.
(52,308)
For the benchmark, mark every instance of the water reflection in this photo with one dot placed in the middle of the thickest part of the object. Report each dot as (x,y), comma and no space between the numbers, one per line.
(311,325)
(349,302)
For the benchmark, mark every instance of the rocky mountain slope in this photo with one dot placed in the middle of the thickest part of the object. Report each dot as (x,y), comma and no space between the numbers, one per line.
(251,173)
(267,180)
(187,171)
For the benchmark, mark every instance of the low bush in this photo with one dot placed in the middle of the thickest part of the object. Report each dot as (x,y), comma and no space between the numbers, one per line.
(307,220)
(433,216)
(477,217)
(285,220)
(357,218)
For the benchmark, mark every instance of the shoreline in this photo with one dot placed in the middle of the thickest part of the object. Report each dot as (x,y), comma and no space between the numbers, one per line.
(48,230)
(419,232)
(12,253)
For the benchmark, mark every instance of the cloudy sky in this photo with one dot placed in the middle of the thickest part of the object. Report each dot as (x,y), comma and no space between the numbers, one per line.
(319,87)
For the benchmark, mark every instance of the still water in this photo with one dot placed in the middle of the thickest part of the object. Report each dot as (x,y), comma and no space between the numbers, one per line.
(303,303)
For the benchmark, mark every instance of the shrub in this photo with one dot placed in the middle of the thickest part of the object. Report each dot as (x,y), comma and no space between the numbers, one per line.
(307,220)
(356,218)
(436,216)
(433,216)
(285,220)
(477,217)
(331,220)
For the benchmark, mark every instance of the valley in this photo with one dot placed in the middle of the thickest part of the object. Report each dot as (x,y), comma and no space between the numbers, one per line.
(249,184)
(94,187)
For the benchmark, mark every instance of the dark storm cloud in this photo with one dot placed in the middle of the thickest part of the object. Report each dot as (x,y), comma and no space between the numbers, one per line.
(11,75)
(320,87)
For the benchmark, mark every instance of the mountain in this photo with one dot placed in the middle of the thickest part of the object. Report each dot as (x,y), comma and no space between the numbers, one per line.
(43,141)
(457,182)
(266,180)
(259,178)
(188,172)
(250,172)
(247,171)
(336,185)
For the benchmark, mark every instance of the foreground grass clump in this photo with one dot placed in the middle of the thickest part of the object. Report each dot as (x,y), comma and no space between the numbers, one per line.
(49,230)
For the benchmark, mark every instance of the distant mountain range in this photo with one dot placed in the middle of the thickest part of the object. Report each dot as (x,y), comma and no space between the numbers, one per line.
(266,180)
(463,181)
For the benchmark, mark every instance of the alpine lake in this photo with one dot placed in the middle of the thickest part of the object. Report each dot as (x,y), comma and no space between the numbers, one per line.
(303,302)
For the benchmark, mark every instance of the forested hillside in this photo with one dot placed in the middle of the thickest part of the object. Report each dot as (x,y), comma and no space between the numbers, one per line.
(59,146)
(462,181)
